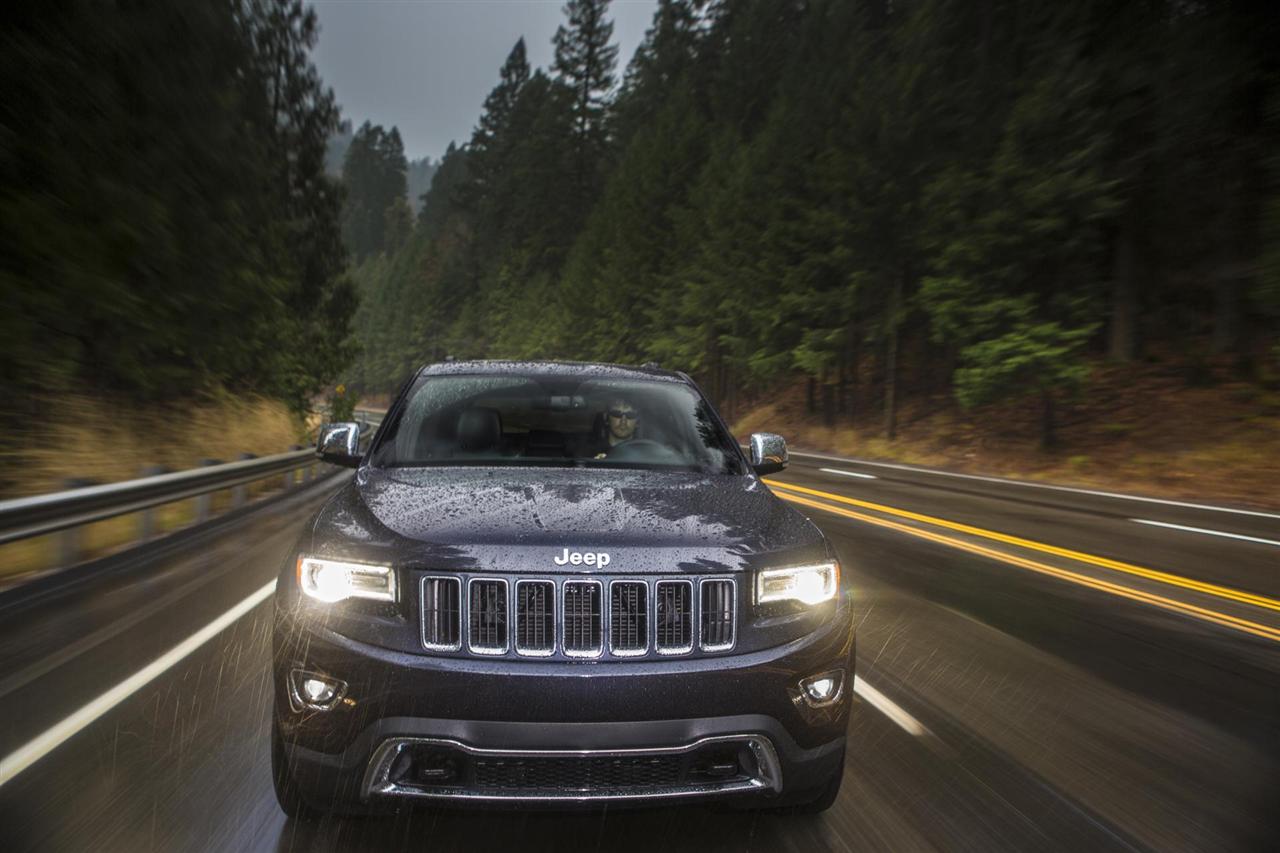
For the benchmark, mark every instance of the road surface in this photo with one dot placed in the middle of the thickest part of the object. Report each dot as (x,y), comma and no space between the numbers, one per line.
(1038,670)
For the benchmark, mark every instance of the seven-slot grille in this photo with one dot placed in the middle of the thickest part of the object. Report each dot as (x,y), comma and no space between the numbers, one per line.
(578,617)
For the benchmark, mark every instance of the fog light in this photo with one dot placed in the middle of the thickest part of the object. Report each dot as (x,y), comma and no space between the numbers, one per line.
(822,690)
(318,692)
(313,691)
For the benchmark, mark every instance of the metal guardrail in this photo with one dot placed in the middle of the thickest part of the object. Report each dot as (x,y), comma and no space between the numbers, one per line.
(22,518)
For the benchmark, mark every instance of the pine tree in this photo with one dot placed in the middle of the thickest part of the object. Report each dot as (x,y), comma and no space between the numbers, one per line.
(584,65)
(489,138)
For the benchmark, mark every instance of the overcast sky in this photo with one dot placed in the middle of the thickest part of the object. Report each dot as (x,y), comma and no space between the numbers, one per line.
(425,66)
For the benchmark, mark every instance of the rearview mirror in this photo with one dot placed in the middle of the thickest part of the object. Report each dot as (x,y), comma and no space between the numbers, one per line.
(339,444)
(768,453)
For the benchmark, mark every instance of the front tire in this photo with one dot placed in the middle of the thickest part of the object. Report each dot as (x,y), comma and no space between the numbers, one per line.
(826,797)
(288,794)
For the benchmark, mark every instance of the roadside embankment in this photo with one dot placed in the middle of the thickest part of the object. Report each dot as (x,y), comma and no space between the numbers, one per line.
(1139,428)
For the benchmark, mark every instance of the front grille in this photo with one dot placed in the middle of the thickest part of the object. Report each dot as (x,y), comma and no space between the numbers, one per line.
(535,617)
(577,617)
(442,613)
(628,618)
(487,600)
(578,774)
(674,634)
(583,619)
(717,615)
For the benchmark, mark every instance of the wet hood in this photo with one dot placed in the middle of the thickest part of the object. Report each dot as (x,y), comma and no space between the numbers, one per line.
(483,515)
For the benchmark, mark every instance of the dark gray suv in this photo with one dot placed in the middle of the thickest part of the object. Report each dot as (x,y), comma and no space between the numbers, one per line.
(558,584)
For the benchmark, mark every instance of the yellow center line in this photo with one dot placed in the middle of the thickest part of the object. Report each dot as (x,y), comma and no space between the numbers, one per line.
(1101,562)
(1083,580)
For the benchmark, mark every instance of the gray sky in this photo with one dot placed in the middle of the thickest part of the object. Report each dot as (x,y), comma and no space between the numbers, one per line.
(426,65)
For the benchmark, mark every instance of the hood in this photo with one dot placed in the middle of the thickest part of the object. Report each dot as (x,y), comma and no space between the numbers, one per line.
(451,513)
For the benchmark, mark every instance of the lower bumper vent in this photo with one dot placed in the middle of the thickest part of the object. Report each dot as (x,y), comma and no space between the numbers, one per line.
(576,774)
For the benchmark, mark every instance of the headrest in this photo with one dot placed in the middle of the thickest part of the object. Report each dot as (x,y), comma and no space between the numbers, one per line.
(479,429)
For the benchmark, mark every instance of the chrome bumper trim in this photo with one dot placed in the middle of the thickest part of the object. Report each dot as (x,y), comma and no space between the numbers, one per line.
(377,778)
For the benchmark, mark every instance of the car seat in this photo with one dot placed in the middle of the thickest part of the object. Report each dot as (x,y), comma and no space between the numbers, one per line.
(479,432)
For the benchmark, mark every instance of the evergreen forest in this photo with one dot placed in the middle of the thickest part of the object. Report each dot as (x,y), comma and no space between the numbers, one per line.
(167,225)
(983,197)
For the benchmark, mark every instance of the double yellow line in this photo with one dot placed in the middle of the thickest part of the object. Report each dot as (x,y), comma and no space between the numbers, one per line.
(796,494)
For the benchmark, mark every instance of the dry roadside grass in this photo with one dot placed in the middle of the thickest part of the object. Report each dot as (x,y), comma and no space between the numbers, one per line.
(1137,428)
(97,440)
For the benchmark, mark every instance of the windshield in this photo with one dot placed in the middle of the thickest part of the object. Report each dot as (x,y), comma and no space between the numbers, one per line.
(558,421)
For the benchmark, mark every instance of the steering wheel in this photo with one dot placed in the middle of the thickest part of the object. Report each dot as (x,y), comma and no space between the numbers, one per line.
(637,450)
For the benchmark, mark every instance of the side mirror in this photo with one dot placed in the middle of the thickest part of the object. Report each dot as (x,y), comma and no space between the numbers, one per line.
(768,453)
(339,444)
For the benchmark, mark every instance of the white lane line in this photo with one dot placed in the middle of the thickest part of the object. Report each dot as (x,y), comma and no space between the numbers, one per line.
(1204,530)
(1028,485)
(889,708)
(849,473)
(31,752)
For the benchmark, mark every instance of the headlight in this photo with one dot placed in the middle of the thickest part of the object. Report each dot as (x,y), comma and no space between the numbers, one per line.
(807,584)
(333,580)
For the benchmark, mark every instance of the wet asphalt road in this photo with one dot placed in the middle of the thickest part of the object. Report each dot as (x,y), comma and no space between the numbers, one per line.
(1014,710)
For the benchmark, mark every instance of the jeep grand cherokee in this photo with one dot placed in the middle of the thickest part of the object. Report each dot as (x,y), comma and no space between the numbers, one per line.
(558,584)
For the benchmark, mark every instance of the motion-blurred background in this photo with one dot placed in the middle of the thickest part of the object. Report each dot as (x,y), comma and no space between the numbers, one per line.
(1031,238)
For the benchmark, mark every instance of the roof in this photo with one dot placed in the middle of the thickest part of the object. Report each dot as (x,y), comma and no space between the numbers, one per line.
(584,369)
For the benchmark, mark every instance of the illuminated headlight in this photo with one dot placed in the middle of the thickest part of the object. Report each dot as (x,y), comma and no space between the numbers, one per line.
(333,580)
(807,584)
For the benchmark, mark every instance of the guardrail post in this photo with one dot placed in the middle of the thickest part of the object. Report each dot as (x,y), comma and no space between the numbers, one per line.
(71,540)
(239,494)
(288,475)
(147,518)
(205,501)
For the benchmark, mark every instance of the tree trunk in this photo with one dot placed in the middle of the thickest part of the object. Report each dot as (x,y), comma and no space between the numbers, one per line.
(1122,345)
(828,401)
(842,380)
(811,401)
(891,363)
(1226,314)
(1048,434)
(855,369)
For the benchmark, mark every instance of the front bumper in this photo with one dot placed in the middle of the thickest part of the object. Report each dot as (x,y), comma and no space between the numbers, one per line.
(523,715)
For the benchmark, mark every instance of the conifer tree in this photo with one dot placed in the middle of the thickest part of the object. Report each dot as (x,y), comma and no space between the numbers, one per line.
(584,65)
(488,139)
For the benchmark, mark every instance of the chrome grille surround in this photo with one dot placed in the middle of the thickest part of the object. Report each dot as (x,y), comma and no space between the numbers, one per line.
(688,615)
(608,640)
(438,620)
(488,648)
(639,624)
(767,776)
(723,596)
(570,634)
(523,613)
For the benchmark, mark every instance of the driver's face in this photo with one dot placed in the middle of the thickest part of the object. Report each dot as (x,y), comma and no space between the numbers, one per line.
(622,421)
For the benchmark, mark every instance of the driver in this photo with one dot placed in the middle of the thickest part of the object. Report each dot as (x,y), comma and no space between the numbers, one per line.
(621,419)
